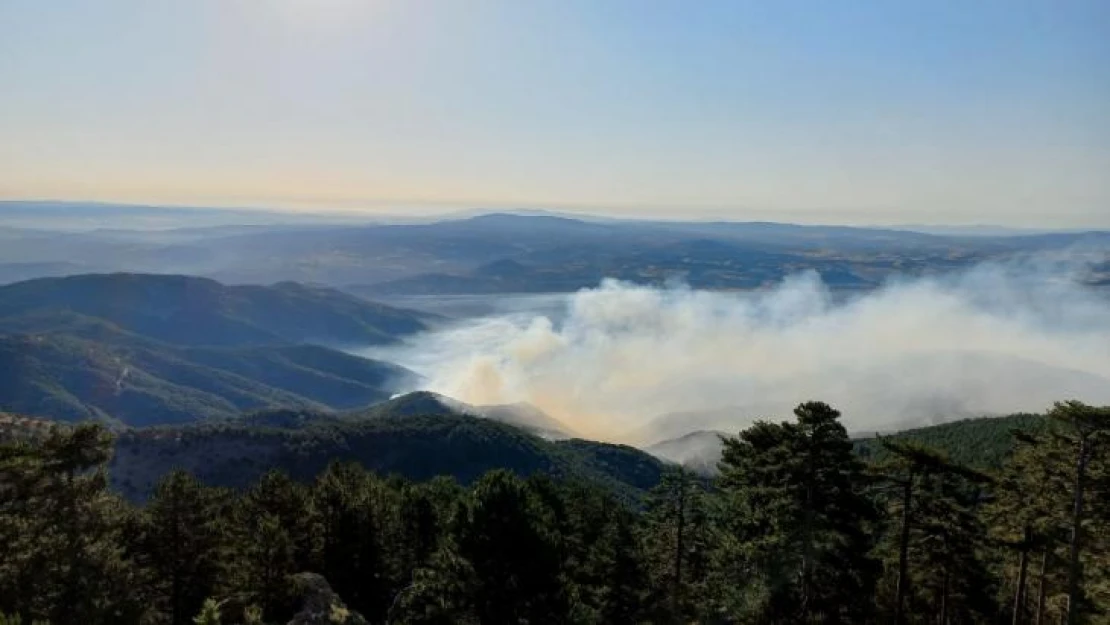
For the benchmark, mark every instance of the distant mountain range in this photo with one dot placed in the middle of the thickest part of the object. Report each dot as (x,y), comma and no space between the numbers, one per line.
(185,310)
(144,349)
(504,253)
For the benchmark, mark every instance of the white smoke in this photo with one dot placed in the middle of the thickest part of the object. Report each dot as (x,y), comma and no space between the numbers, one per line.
(637,364)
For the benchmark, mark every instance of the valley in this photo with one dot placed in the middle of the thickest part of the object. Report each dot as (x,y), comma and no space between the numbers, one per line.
(431,393)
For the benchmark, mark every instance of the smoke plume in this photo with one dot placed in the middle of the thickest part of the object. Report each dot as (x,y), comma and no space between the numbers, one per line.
(638,364)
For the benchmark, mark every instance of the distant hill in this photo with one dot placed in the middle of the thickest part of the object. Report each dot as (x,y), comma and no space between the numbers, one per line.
(982,443)
(136,382)
(186,310)
(235,454)
(492,253)
(147,350)
(523,416)
(699,451)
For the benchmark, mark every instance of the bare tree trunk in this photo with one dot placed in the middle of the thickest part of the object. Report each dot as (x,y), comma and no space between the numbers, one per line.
(1041,589)
(1023,569)
(903,552)
(1077,531)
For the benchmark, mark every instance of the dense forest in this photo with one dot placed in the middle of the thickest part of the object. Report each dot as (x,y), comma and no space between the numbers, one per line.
(800,525)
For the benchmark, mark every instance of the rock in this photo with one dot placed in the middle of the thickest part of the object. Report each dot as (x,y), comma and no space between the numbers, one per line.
(320,605)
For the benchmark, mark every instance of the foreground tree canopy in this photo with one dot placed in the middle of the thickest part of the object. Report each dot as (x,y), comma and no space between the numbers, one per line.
(796,528)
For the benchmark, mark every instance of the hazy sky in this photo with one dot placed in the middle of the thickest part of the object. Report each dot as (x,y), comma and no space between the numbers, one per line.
(906,111)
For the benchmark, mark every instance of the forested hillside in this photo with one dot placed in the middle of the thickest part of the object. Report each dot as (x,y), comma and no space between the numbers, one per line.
(982,443)
(417,446)
(186,310)
(797,528)
(139,350)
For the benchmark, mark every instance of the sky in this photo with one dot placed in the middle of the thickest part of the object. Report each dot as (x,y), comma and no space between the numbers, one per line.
(862,111)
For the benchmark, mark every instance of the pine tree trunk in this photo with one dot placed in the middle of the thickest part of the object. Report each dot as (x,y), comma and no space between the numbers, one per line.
(68,601)
(903,552)
(679,549)
(1041,589)
(807,554)
(1076,531)
(944,590)
(1023,569)
(177,616)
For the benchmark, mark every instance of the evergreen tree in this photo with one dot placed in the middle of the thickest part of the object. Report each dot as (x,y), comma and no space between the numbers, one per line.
(509,539)
(1084,429)
(1026,517)
(209,613)
(183,544)
(784,535)
(351,550)
(64,559)
(274,540)
(795,520)
(603,564)
(674,534)
(939,574)
(420,524)
(268,562)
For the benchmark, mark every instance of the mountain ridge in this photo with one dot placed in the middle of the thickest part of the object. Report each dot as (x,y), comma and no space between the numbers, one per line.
(148,349)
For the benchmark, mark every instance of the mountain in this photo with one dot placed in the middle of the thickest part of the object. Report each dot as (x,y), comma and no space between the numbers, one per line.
(137,382)
(527,417)
(236,453)
(492,253)
(888,394)
(146,350)
(524,416)
(982,443)
(699,451)
(186,310)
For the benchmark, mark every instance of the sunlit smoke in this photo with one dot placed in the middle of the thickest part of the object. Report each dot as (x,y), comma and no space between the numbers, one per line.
(637,364)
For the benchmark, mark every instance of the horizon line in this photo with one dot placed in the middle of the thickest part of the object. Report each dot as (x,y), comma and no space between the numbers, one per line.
(452,211)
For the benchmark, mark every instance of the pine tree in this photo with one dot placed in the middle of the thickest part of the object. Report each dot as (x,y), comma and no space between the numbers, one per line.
(183,542)
(350,527)
(209,613)
(269,566)
(274,539)
(64,559)
(795,513)
(420,525)
(289,503)
(673,533)
(1084,429)
(1025,517)
(509,539)
(939,575)
(602,562)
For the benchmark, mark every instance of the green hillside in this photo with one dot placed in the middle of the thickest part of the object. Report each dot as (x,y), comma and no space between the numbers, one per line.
(982,442)
(521,415)
(187,310)
(136,382)
(419,447)
(153,350)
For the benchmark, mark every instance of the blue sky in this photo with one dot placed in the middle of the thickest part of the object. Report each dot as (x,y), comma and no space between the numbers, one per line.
(972,111)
